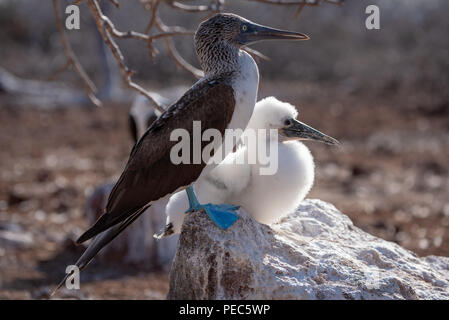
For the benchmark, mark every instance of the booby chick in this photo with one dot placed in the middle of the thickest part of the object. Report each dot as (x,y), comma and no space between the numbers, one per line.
(267,198)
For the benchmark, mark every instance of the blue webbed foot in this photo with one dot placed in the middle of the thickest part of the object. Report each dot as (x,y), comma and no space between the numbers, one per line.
(222,215)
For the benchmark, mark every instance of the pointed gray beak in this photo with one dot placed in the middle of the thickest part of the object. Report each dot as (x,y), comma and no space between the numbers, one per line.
(252,32)
(301,131)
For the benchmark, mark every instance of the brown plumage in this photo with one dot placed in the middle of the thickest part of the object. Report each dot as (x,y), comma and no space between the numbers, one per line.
(149,174)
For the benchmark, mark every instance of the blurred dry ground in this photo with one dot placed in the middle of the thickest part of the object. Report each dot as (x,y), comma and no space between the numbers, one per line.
(389,175)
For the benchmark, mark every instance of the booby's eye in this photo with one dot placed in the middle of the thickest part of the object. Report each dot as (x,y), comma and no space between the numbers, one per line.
(287,122)
(244,27)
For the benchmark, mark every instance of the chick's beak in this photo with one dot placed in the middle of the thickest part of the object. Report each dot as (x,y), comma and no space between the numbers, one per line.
(301,131)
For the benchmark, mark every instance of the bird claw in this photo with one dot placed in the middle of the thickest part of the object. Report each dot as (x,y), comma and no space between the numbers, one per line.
(165,232)
(222,215)
(226,207)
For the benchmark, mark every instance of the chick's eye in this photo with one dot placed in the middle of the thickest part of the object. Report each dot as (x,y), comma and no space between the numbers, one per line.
(287,122)
(244,28)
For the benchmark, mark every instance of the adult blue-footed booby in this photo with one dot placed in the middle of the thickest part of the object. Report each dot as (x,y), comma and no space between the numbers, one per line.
(267,198)
(223,99)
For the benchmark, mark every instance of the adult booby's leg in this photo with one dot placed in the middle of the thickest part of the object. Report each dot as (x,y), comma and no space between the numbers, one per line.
(223,215)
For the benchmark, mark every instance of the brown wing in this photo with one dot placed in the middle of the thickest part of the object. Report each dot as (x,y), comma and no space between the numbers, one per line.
(150,174)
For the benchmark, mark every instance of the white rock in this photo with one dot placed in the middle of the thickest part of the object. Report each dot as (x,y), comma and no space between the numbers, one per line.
(314,253)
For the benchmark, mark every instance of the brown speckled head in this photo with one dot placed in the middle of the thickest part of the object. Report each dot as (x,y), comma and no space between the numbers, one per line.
(216,44)
(218,40)
(220,27)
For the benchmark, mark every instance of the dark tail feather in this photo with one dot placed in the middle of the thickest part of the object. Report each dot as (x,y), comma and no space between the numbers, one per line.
(99,226)
(103,224)
(100,241)
(96,229)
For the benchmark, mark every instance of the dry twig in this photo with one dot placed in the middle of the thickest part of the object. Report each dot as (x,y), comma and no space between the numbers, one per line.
(105,27)
(174,52)
(298,2)
(213,6)
(72,59)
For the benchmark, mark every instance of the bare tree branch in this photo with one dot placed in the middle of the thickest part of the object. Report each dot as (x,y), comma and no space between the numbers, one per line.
(298,2)
(180,60)
(115,3)
(301,6)
(175,31)
(67,65)
(213,6)
(126,72)
(152,7)
(256,54)
(174,52)
(72,59)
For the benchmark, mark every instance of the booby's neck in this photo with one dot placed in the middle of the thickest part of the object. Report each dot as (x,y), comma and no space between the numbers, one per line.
(243,76)
(218,57)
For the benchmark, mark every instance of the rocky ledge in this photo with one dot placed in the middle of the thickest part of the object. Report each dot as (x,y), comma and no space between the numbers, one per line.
(314,253)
